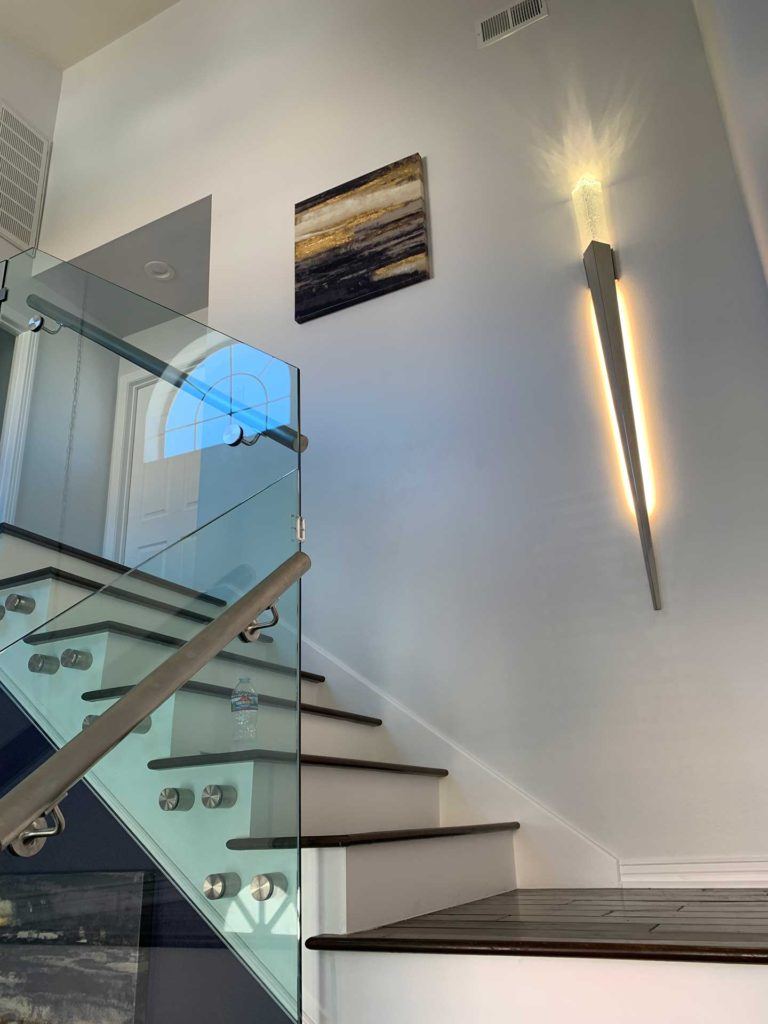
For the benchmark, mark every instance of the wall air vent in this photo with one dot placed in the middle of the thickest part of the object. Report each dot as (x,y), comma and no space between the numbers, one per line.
(510,19)
(23,170)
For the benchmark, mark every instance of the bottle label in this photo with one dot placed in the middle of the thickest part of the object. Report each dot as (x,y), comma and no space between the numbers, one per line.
(245,702)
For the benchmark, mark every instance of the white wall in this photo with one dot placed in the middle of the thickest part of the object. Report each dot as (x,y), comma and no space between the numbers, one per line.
(30,86)
(471,551)
(535,990)
(736,38)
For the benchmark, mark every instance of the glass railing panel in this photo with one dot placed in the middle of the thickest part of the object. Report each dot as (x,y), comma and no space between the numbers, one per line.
(79,662)
(92,930)
(137,425)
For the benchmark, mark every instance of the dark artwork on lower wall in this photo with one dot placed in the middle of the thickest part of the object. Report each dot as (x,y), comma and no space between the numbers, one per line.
(71,948)
(361,239)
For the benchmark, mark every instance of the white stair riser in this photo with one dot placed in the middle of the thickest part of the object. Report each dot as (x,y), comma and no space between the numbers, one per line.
(336,800)
(20,556)
(333,799)
(334,737)
(120,660)
(203,723)
(360,887)
(63,605)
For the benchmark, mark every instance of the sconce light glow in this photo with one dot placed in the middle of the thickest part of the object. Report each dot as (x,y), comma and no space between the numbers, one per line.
(618,369)
(589,204)
(646,461)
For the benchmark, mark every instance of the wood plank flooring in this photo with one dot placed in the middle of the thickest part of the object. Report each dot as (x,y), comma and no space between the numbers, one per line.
(718,925)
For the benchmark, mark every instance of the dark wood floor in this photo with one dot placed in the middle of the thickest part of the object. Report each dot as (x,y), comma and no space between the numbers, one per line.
(720,925)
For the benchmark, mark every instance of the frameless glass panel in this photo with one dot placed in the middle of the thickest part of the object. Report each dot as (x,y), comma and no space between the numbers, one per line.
(92,930)
(137,424)
(217,762)
(141,438)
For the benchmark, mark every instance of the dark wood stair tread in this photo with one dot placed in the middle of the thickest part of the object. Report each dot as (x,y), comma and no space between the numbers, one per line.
(310,760)
(138,633)
(699,925)
(225,693)
(369,838)
(52,572)
(105,563)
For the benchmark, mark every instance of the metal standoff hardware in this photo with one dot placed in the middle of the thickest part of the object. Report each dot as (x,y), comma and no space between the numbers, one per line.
(215,797)
(33,839)
(252,631)
(72,658)
(44,664)
(20,603)
(172,799)
(262,887)
(216,887)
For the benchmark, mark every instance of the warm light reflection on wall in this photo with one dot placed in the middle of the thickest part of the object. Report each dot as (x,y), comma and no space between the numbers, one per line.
(649,482)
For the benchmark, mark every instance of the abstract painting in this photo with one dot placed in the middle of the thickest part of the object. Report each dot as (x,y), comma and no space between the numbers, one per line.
(71,948)
(361,239)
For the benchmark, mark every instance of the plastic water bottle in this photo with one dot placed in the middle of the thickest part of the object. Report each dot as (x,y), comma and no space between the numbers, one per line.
(245,709)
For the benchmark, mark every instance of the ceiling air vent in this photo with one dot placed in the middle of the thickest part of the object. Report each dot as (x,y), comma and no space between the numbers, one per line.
(23,169)
(504,23)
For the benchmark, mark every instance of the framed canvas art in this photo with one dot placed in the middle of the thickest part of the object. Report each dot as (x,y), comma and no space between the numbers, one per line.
(362,239)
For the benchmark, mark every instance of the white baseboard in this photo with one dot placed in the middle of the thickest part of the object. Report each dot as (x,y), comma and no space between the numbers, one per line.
(696,873)
(549,851)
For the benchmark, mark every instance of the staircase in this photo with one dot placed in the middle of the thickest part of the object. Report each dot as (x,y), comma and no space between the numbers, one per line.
(220,822)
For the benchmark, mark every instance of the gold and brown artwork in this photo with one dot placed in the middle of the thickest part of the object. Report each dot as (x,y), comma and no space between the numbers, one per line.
(361,239)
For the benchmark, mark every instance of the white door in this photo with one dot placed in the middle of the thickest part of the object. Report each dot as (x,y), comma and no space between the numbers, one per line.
(162,495)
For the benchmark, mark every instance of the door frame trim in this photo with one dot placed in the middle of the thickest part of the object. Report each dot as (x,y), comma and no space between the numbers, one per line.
(16,421)
(118,495)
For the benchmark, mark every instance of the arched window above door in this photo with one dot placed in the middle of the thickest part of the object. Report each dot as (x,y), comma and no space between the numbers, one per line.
(257,392)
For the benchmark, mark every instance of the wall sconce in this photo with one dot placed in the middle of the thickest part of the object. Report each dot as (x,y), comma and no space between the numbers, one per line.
(626,408)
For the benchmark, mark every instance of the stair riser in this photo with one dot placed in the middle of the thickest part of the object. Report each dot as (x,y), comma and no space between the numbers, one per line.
(121,660)
(336,800)
(337,738)
(360,887)
(204,724)
(20,556)
(64,605)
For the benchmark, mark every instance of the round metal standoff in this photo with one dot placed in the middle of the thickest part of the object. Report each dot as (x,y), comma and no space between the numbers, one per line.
(216,887)
(43,664)
(72,658)
(173,799)
(36,323)
(234,435)
(20,603)
(214,797)
(2,612)
(262,887)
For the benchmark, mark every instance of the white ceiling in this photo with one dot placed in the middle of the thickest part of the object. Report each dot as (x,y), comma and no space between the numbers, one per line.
(66,31)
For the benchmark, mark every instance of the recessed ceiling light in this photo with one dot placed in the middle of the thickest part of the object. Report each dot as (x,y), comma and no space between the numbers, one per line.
(159,270)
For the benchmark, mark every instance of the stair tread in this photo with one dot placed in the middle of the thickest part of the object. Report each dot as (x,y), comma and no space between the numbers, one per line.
(315,760)
(368,838)
(105,563)
(137,632)
(630,924)
(225,693)
(53,572)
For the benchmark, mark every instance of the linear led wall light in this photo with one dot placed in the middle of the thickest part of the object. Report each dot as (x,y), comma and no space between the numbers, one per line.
(618,366)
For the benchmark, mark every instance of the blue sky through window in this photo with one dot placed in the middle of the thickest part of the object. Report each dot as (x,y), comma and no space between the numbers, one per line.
(256,389)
